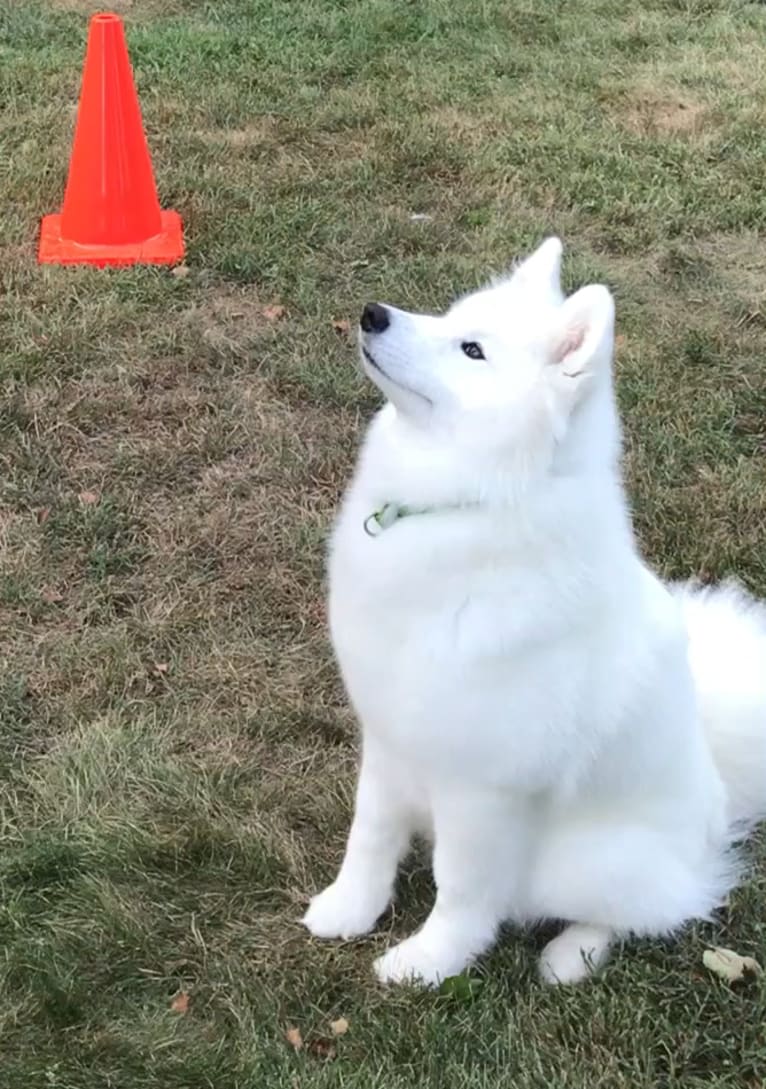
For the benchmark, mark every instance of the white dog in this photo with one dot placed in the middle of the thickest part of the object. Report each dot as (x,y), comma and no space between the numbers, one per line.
(581,742)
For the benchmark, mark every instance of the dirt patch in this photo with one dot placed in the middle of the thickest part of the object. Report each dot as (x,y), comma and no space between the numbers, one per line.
(739,261)
(461,125)
(651,112)
(230,317)
(120,7)
(258,131)
(288,145)
(92,7)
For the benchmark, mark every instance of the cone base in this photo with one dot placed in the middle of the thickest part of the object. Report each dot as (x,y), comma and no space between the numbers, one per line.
(165,248)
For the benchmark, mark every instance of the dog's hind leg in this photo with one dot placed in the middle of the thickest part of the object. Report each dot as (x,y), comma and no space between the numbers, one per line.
(612,878)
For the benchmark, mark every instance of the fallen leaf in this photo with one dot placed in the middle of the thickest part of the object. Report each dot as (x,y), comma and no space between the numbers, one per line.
(321,1049)
(89,498)
(339,1027)
(180,1003)
(294,1038)
(461,988)
(180,271)
(274,312)
(51,596)
(43,516)
(341,326)
(729,965)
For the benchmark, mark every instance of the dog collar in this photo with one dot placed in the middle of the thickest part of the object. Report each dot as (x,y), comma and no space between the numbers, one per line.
(375,523)
(391,513)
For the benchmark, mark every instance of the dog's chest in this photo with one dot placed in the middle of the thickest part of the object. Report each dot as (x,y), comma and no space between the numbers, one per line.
(424,646)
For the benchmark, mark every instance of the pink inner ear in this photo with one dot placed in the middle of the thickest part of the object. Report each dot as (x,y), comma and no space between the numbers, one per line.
(570,342)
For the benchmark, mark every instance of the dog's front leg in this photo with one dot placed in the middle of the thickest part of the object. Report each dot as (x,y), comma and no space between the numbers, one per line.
(481,843)
(380,836)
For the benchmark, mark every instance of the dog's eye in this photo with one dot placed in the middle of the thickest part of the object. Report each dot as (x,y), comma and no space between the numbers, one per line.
(472,349)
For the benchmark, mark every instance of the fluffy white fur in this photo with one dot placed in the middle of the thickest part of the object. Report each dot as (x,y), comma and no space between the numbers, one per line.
(580,742)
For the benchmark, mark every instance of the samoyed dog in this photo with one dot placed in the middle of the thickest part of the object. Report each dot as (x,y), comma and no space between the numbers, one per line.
(579,741)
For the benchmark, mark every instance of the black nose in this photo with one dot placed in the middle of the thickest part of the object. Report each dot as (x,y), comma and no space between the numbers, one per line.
(374,318)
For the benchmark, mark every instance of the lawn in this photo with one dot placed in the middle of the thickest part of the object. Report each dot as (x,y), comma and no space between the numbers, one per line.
(176,755)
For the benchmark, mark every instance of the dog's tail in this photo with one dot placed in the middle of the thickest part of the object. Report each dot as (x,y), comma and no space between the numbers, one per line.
(727,650)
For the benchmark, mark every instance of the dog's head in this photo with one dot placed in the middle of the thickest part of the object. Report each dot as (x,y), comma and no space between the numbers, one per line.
(504,368)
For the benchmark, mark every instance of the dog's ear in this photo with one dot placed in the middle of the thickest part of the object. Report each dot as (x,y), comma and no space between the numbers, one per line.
(582,340)
(542,269)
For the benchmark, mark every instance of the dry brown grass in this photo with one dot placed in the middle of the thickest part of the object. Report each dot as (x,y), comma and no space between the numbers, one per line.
(176,752)
(654,112)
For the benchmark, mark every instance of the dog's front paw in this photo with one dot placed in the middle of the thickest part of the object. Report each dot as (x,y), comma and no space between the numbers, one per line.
(342,912)
(412,962)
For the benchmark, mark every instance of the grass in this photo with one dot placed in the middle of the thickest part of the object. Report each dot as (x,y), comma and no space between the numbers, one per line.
(176,755)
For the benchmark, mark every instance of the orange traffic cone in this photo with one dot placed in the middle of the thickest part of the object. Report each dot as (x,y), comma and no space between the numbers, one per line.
(111,215)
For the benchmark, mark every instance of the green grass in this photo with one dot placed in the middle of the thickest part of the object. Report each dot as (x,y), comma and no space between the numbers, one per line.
(176,756)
